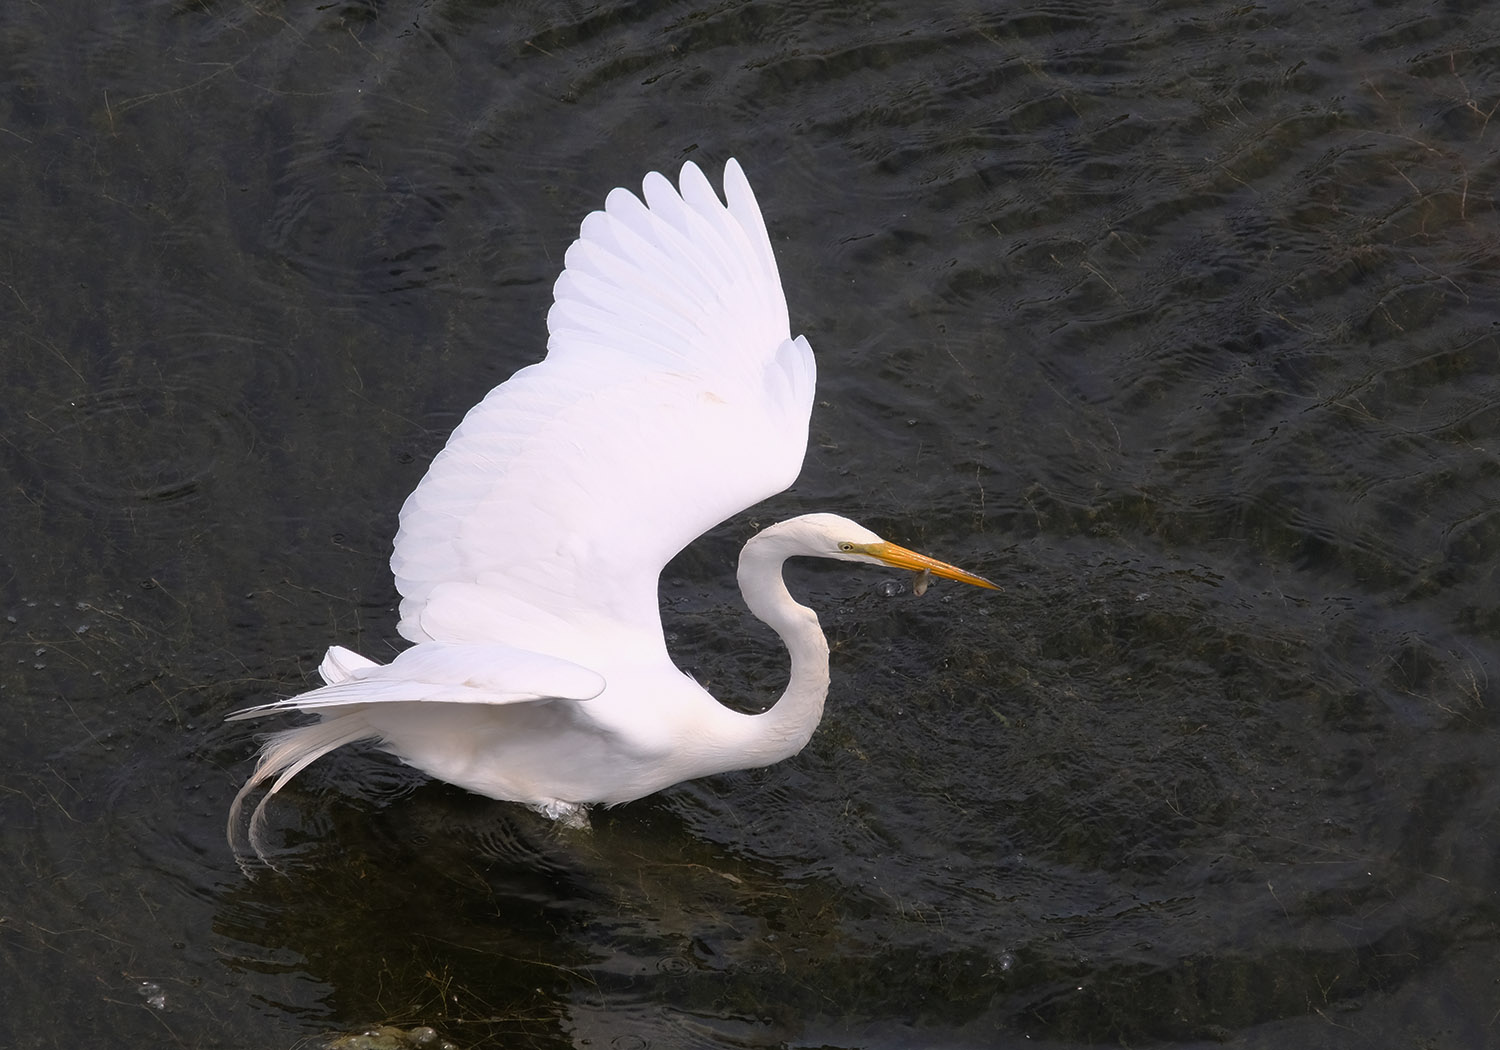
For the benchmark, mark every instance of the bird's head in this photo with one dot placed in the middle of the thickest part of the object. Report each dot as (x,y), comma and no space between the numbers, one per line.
(833,536)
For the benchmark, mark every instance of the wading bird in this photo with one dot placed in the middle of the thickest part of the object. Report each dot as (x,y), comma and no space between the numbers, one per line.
(672,396)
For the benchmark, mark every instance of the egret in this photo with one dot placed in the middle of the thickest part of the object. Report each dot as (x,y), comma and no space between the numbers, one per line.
(671,397)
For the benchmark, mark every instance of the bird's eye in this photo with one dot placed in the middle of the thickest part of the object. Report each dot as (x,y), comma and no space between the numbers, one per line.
(846,546)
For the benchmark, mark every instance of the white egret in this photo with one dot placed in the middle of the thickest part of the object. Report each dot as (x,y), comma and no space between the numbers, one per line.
(672,396)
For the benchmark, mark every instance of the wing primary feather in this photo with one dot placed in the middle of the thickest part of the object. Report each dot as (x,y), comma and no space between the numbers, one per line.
(448,673)
(746,211)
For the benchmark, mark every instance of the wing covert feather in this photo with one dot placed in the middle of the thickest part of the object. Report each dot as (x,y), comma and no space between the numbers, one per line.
(672,397)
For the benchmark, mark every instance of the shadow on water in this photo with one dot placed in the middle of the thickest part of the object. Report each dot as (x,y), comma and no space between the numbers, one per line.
(1177,320)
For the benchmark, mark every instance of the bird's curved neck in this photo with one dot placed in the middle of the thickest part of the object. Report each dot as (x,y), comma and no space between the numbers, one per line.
(786,727)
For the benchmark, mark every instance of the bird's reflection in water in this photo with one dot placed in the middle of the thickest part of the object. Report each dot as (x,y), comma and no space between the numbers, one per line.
(415,903)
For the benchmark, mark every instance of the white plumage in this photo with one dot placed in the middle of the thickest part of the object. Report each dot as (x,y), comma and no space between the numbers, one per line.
(672,397)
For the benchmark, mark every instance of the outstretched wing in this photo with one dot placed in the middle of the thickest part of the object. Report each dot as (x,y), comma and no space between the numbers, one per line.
(671,397)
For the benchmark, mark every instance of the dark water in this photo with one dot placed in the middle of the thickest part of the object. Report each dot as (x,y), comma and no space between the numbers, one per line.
(1182,321)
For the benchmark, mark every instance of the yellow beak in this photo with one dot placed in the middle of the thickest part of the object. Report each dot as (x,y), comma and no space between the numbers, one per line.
(902,558)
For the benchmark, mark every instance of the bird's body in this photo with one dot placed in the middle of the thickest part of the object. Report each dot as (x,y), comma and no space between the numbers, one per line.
(672,396)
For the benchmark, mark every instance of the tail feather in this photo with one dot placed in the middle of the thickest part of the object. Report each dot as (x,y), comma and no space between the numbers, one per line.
(339,664)
(283,756)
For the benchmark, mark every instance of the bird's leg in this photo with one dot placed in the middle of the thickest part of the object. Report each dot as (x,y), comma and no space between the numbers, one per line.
(572,815)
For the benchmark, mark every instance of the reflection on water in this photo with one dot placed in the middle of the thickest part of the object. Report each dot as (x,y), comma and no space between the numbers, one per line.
(1177,321)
